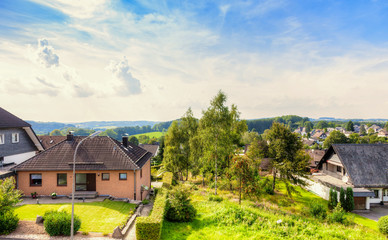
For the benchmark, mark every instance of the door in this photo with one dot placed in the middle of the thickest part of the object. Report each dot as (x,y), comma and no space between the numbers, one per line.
(91,182)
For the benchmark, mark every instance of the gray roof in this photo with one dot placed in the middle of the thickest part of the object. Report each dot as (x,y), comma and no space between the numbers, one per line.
(366,164)
(8,120)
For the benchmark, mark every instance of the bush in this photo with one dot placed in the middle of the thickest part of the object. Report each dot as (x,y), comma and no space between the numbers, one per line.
(215,198)
(167,179)
(234,215)
(342,198)
(317,210)
(338,215)
(58,223)
(145,201)
(333,198)
(383,224)
(349,201)
(149,228)
(8,221)
(179,208)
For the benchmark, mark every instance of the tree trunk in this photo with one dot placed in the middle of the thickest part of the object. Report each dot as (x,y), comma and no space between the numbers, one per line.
(187,172)
(274,179)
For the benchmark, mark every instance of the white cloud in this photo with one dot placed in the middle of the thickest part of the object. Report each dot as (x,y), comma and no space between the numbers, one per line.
(127,84)
(45,54)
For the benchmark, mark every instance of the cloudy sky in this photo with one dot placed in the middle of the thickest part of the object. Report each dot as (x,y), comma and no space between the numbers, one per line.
(151,60)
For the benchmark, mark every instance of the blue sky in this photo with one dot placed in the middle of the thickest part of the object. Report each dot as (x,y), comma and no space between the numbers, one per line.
(151,60)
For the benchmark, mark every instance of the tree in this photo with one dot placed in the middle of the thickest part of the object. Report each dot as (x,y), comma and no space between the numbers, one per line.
(322,125)
(288,157)
(362,130)
(242,168)
(334,137)
(143,139)
(110,133)
(153,140)
(56,132)
(342,197)
(354,138)
(173,155)
(349,202)
(349,126)
(248,137)
(386,126)
(9,196)
(134,140)
(220,130)
(333,198)
(309,126)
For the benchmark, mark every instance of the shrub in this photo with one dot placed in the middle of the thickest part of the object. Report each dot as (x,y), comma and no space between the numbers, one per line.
(383,224)
(215,198)
(333,198)
(167,179)
(179,208)
(8,221)
(58,223)
(342,198)
(149,228)
(349,202)
(234,215)
(338,215)
(145,201)
(317,210)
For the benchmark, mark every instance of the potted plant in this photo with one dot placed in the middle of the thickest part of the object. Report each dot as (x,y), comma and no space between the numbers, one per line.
(54,195)
(34,194)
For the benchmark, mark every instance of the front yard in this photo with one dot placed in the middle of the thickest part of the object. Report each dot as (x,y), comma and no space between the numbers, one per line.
(95,216)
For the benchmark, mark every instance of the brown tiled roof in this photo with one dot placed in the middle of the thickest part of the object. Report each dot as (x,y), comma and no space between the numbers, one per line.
(49,141)
(152,148)
(8,120)
(316,156)
(98,153)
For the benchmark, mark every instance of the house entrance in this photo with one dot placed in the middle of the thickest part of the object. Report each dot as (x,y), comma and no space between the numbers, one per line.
(85,182)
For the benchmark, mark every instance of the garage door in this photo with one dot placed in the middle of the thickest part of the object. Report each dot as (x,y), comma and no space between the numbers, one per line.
(359,203)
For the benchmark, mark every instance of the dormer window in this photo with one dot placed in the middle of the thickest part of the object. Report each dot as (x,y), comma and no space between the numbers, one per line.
(15,137)
(2,139)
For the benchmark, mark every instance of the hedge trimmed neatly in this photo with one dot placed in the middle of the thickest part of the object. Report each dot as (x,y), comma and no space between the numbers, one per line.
(150,228)
(57,223)
(383,224)
(167,179)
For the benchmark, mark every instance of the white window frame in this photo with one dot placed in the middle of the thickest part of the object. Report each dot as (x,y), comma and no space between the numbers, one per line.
(15,138)
(2,139)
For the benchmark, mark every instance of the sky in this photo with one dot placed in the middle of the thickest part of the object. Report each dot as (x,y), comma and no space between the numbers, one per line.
(100,60)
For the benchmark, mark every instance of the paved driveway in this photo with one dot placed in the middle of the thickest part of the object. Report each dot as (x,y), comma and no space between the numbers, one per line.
(375,212)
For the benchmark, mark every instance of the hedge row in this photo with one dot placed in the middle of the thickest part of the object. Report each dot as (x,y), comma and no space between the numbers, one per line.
(150,228)
(167,179)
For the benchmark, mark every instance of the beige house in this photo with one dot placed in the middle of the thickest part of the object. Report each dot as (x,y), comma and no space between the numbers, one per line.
(104,167)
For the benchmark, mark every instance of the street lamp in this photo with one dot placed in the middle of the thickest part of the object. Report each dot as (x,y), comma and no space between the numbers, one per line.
(72,193)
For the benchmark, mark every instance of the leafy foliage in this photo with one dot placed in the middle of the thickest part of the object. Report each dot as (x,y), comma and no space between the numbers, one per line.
(383,224)
(317,210)
(179,208)
(335,137)
(338,215)
(333,200)
(342,197)
(349,201)
(9,196)
(8,221)
(57,223)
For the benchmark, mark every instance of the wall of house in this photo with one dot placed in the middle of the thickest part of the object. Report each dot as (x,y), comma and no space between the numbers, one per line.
(19,158)
(25,144)
(318,189)
(113,186)
(144,180)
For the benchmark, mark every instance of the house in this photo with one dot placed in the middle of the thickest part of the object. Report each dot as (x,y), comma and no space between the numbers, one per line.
(301,131)
(319,135)
(382,133)
(18,141)
(363,167)
(104,166)
(152,148)
(49,141)
(308,142)
(316,156)
(374,128)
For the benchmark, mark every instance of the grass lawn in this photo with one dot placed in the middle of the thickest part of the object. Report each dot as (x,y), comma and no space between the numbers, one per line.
(151,134)
(259,219)
(95,217)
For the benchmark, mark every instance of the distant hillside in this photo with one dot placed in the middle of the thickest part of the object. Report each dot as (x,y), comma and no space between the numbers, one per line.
(112,124)
(46,127)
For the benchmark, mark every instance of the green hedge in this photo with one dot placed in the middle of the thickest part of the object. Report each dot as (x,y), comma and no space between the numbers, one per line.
(167,179)
(57,223)
(150,228)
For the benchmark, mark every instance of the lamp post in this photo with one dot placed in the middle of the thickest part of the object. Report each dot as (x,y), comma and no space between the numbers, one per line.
(73,190)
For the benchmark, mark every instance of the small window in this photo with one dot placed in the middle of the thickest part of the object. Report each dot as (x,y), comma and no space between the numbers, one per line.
(2,139)
(61,179)
(376,192)
(123,176)
(338,169)
(385,192)
(141,173)
(36,179)
(105,176)
(15,137)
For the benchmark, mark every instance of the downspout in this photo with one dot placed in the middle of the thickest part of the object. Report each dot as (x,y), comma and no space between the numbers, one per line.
(134,182)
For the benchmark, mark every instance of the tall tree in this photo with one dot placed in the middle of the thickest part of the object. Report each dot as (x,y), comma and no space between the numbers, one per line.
(362,130)
(349,126)
(309,126)
(189,127)
(220,130)
(134,140)
(288,157)
(56,132)
(335,137)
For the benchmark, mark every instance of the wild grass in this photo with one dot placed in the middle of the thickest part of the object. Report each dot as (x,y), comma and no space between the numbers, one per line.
(151,134)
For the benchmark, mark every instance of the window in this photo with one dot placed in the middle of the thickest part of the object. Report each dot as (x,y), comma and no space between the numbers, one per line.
(376,192)
(385,192)
(15,138)
(105,176)
(123,176)
(61,179)
(2,139)
(36,179)
(338,169)
(141,173)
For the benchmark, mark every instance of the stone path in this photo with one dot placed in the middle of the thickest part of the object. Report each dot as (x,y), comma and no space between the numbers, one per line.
(131,234)
(374,213)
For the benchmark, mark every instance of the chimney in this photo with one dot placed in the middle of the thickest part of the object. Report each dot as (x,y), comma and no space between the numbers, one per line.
(70,136)
(125,140)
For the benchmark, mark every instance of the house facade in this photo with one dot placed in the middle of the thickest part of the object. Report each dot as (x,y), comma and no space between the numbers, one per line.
(18,141)
(103,165)
(363,167)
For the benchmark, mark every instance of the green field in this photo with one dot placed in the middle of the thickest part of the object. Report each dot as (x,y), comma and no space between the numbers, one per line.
(151,134)
(95,216)
(270,217)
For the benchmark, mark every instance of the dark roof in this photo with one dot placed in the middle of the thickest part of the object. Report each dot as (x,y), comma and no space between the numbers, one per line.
(49,141)
(366,164)
(315,155)
(98,153)
(8,120)
(152,148)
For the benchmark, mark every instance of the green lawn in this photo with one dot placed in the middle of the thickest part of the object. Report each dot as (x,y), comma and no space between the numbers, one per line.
(258,219)
(96,216)
(151,134)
